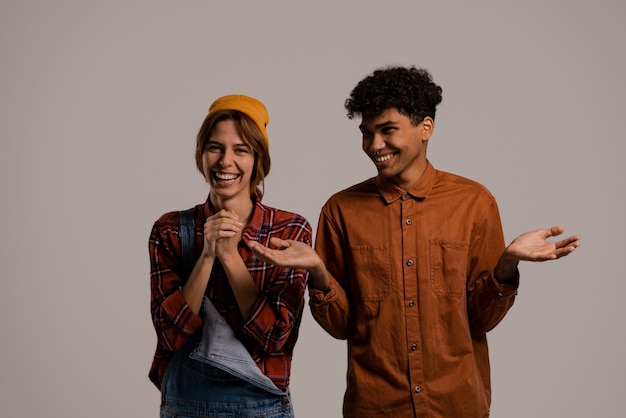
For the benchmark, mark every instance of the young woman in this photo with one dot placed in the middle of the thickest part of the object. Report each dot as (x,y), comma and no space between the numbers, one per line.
(226,332)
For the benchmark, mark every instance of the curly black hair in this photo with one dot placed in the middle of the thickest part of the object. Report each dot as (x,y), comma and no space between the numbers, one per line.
(410,90)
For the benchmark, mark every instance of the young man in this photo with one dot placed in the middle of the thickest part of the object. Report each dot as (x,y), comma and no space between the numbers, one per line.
(410,266)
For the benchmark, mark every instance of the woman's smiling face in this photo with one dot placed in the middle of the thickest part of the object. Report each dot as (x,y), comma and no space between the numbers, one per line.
(228,162)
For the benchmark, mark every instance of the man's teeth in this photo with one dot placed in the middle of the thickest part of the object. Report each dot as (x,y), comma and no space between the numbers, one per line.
(381,158)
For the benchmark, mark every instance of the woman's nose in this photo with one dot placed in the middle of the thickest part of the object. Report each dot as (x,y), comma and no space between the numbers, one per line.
(226,159)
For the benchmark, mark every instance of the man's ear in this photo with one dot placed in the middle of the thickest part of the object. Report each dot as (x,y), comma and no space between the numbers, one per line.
(427,128)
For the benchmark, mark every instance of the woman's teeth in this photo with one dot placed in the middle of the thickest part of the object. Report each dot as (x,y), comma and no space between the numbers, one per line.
(225,177)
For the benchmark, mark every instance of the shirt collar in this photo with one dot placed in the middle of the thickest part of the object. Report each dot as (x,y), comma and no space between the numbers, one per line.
(420,190)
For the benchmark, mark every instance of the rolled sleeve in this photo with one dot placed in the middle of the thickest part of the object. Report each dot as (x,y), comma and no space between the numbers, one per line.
(331,309)
(172,317)
(275,314)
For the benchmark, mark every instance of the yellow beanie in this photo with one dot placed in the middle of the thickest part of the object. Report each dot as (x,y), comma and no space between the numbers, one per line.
(249,106)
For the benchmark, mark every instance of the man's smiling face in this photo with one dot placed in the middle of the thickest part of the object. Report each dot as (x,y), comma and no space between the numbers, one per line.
(396,146)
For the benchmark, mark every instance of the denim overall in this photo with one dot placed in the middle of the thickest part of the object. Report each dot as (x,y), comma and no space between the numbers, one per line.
(213,375)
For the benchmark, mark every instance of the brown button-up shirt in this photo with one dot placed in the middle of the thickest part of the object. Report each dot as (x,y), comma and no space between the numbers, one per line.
(413,293)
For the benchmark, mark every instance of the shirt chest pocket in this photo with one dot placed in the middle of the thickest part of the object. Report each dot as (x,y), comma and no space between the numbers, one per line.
(370,271)
(448,267)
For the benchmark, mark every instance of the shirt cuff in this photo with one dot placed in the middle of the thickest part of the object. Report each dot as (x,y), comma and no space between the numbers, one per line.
(508,287)
(321,297)
(181,314)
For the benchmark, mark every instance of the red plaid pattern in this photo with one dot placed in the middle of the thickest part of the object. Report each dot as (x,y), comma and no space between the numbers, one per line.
(271,331)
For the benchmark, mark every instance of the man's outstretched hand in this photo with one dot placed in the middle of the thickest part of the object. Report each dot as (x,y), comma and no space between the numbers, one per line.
(295,254)
(286,253)
(534,245)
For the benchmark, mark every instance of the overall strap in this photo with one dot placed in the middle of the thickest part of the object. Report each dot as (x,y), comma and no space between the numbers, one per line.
(187,234)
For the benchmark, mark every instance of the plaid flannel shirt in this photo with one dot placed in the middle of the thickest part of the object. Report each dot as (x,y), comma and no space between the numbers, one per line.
(271,331)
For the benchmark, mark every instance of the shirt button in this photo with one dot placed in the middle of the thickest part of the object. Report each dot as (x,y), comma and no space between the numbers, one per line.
(413,347)
(418,389)
(409,263)
(411,304)
(409,222)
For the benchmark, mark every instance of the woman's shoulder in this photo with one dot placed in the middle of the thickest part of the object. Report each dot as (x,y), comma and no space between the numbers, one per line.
(172,218)
(168,218)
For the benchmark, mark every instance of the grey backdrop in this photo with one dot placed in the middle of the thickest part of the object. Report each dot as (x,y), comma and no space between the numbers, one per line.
(100,104)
